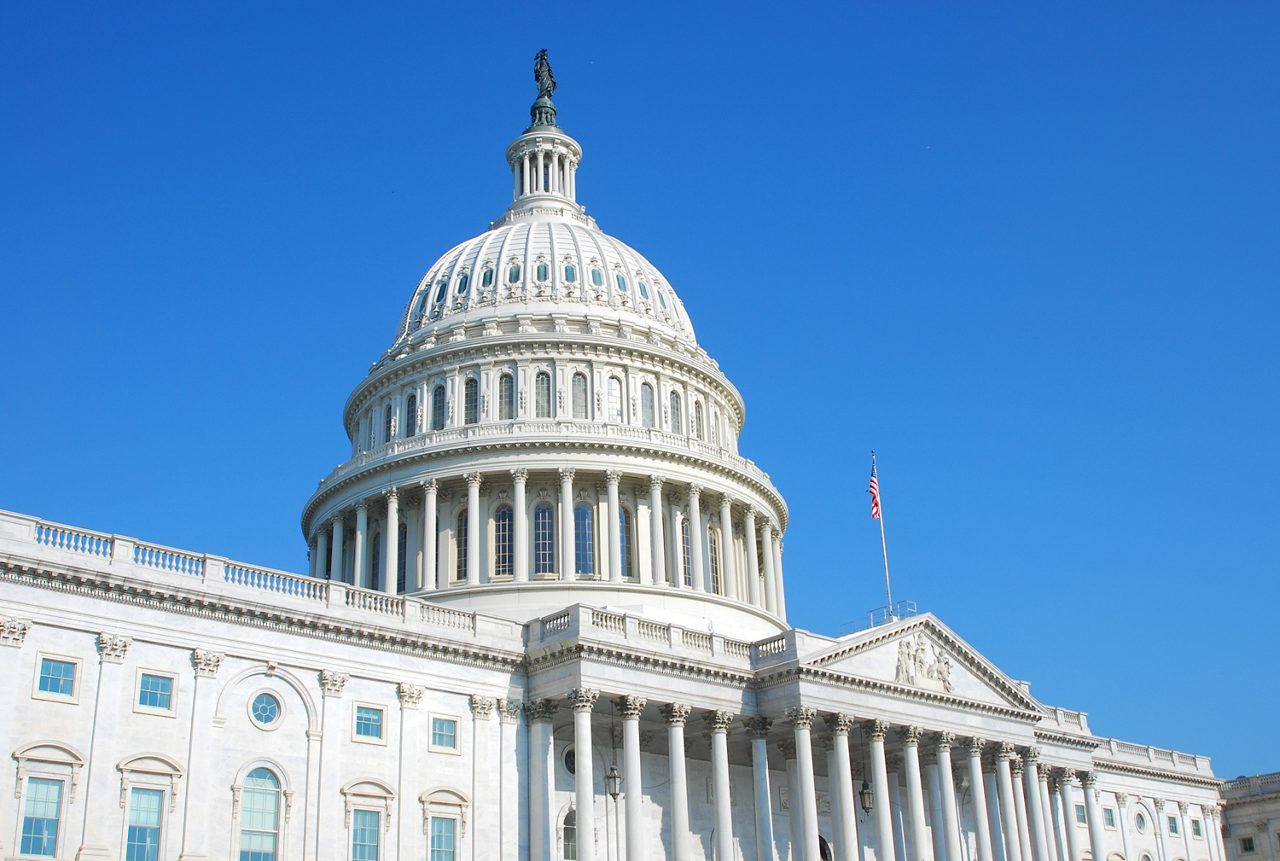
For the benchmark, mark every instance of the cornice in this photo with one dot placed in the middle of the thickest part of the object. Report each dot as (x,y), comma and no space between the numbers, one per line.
(1105,765)
(576,650)
(1076,741)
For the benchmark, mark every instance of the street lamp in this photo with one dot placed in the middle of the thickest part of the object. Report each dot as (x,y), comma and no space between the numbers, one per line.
(864,796)
(613,782)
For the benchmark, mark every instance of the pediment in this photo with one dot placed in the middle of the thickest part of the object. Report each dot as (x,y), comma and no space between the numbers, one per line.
(921,655)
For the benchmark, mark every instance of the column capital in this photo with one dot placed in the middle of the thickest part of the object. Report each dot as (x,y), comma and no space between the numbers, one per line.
(520,476)
(338,520)
(945,740)
(473,479)
(113,647)
(758,726)
(675,713)
(910,735)
(1006,751)
(205,662)
(391,493)
(630,706)
(1015,765)
(612,476)
(718,721)
(1210,810)
(801,717)
(1183,807)
(508,711)
(1122,799)
(430,486)
(1158,804)
(1042,773)
(695,491)
(360,506)
(977,746)
(750,512)
(332,682)
(1090,779)
(567,473)
(788,748)
(726,500)
(1067,779)
(839,724)
(410,694)
(582,699)
(1031,755)
(655,482)
(877,728)
(482,707)
(540,710)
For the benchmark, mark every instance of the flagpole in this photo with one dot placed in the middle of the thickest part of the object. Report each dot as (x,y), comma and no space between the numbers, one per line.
(884,546)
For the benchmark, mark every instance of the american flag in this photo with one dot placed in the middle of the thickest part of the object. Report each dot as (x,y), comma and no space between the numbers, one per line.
(874,489)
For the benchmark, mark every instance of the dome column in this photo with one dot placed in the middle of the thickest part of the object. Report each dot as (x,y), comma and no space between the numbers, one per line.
(335,564)
(695,536)
(566,514)
(611,479)
(430,489)
(753,561)
(657,547)
(520,525)
(392,555)
(322,552)
(473,528)
(770,582)
(361,548)
(726,547)
(776,540)
(537,182)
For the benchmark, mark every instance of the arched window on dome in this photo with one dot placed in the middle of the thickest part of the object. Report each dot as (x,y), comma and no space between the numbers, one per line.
(584,550)
(644,290)
(513,273)
(662,299)
(698,430)
(713,557)
(402,562)
(471,401)
(621,281)
(677,420)
(503,546)
(386,423)
(464,280)
(437,407)
(260,816)
(441,289)
(415,319)
(542,272)
(715,427)
(486,277)
(597,276)
(646,405)
(542,395)
(615,400)
(686,553)
(580,395)
(624,543)
(411,415)
(506,397)
(544,539)
(570,273)
(460,544)
(370,436)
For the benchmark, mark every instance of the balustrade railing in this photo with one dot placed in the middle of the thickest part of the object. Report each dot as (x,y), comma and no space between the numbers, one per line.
(167,559)
(74,540)
(377,602)
(310,588)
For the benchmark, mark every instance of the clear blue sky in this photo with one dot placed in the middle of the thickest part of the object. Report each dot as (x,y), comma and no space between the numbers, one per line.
(1029,254)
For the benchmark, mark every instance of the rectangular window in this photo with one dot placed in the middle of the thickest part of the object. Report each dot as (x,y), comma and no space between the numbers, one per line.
(1109,817)
(1197,830)
(40,818)
(444,733)
(1173,825)
(143,840)
(1080,817)
(364,835)
(155,692)
(57,677)
(1246,844)
(444,840)
(368,722)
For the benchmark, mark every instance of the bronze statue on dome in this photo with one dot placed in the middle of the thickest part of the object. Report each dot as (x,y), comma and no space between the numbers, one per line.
(543,75)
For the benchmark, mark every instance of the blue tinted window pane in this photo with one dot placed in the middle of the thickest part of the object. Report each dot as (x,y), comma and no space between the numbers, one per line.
(364,835)
(444,732)
(513,275)
(266,708)
(57,677)
(597,277)
(503,547)
(621,281)
(486,279)
(368,722)
(544,541)
(259,816)
(40,817)
(155,692)
(444,843)
(570,273)
(583,543)
(544,272)
(142,842)
(644,290)
(463,280)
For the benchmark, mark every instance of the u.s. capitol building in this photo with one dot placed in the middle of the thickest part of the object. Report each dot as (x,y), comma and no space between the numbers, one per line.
(545,619)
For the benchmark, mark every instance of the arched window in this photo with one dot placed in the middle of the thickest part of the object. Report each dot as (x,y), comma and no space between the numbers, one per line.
(715,427)
(646,405)
(411,415)
(542,395)
(571,836)
(644,290)
(463,280)
(369,423)
(686,552)
(713,556)
(597,277)
(584,539)
(486,277)
(506,397)
(259,816)
(677,420)
(513,273)
(437,407)
(544,540)
(402,564)
(386,424)
(460,541)
(543,271)
(440,291)
(615,400)
(570,273)
(375,562)
(624,542)
(621,281)
(471,401)
(503,548)
(698,430)
(579,395)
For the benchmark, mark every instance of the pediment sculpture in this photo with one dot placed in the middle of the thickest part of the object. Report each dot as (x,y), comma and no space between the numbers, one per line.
(922,665)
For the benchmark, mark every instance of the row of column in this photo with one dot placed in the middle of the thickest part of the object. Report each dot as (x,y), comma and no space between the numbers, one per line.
(545,171)
(763,576)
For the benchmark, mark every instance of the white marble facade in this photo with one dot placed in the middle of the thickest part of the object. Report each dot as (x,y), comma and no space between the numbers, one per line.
(1251,817)
(545,542)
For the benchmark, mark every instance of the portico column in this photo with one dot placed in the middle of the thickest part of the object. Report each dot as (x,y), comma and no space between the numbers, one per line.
(360,552)
(335,559)
(541,780)
(1059,834)
(730,565)
(473,528)
(778,587)
(657,550)
(1020,808)
(1093,815)
(770,586)
(429,492)
(801,718)
(519,525)
(1065,793)
(980,821)
(695,536)
(795,817)
(611,479)
(759,729)
(582,700)
(566,515)
(676,714)
(880,786)
(631,707)
(718,725)
(753,563)
(845,812)
(1035,812)
(910,737)
(947,791)
(1008,807)
(1047,814)
(389,584)
(322,567)
(993,810)
(933,784)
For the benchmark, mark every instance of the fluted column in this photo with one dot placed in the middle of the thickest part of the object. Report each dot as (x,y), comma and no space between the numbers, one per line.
(910,737)
(1065,792)
(538,180)
(981,828)
(718,725)
(541,780)
(524,174)
(430,491)
(795,816)
(611,479)
(473,528)
(778,587)
(1047,813)
(632,784)
(947,791)
(360,552)
(583,700)
(846,813)
(1008,807)
(657,546)
(770,585)
(1161,829)
(519,525)
(993,810)
(759,729)
(1185,825)
(933,786)
(1035,812)
(730,566)
(335,560)
(1122,802)
(1020,808)
(801,718)
(389,584)
(566,518)
(676,715)
(695,536)
(753,561)
(876,731)
(1093,816)
(322,566)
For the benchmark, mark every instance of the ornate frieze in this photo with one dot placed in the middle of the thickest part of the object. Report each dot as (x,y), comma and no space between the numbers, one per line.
(113,647)
(332,682)
(410,695)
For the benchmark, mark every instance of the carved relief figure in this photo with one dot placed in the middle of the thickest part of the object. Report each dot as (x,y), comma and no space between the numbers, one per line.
(921,664)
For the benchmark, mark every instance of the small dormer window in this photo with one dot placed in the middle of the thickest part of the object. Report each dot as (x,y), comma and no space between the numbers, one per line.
(486,277)
(621,281)
(440,291)
(597,277)
(543,271)
(644,290)
(570,273)
(463,280)
(513,274)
